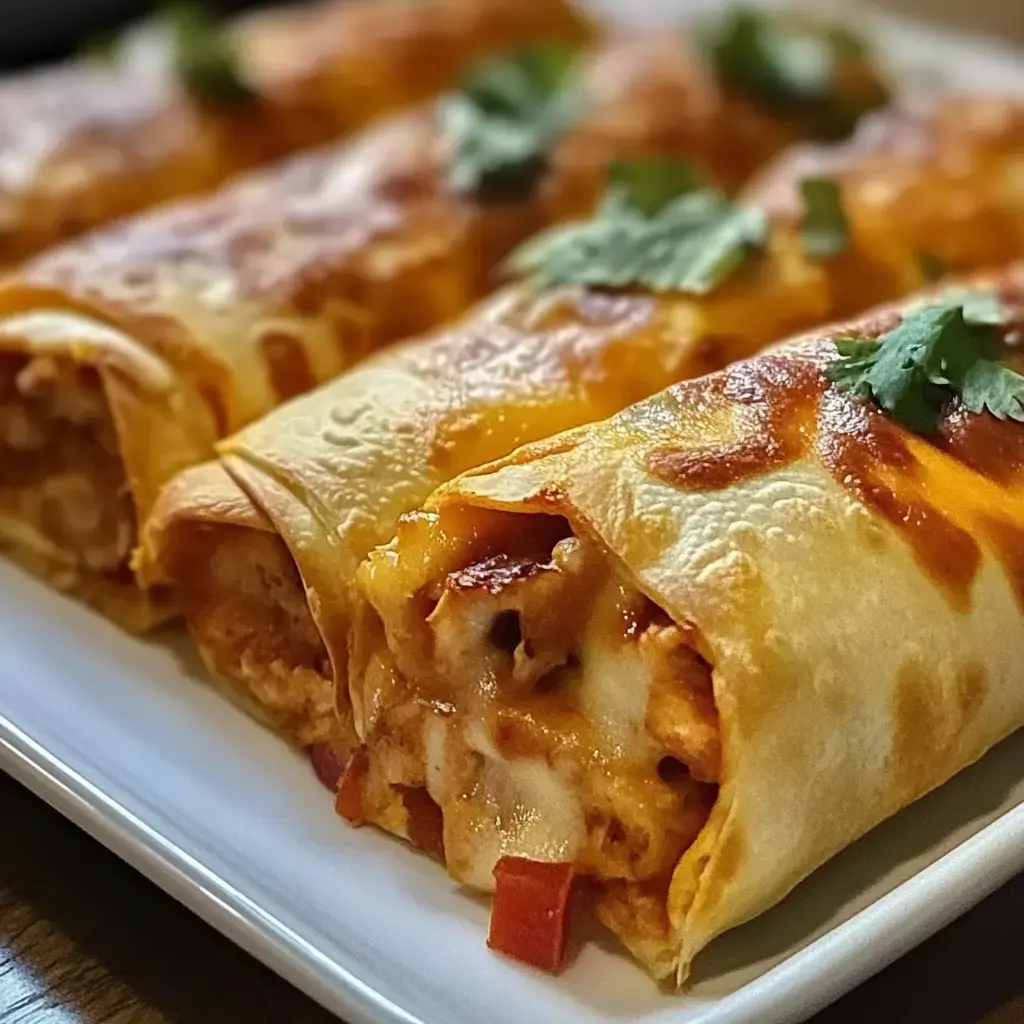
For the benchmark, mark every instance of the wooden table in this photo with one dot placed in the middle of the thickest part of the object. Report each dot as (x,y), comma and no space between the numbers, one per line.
(84,938)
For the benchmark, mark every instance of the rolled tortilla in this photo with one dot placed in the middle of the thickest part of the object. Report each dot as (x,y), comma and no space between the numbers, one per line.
(694,651)
(963,155)
(89,141)
(306,493)
(125,355)
(262,547)
(217,310)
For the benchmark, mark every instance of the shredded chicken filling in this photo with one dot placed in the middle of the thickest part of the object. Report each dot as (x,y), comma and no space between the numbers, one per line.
(63,492)
(563,716)
(248,610)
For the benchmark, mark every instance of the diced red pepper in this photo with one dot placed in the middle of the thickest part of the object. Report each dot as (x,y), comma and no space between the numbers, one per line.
(424,822)
(325,764)
(530,916)
(351,794)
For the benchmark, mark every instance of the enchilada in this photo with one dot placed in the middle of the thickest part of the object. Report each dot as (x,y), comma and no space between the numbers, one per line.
(263,544)
(690,653)
(127,354)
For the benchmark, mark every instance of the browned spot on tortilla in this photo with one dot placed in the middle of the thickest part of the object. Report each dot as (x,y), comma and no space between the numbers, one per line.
(775,395)
(971,688)
(918,733)
(994,448)
(928,723)
(855,441)
(948,553)
(1008,540)
(716,466)
(287,364)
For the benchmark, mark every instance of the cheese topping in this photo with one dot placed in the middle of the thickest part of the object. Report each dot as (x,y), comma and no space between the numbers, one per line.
(562,717)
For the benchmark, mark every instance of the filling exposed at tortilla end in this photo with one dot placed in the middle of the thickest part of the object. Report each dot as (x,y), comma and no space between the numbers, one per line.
(250,617)
(551,711)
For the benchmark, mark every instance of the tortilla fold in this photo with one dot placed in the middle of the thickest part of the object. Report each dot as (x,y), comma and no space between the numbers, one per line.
(332,473)
(126,354)
(699,648)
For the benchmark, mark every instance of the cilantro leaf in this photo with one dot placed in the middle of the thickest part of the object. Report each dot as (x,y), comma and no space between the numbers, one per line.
(980,307)
(504,118)
(898,371)
(652,183)
(691,242)
(995,387)
(520,82)
(824,228)
(794,69)
(204,57)
(935,352)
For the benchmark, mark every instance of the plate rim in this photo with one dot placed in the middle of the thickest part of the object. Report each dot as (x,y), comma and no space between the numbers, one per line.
(856,948)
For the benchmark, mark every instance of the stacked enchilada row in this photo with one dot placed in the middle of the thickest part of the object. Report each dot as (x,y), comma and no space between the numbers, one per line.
(185,105)
(126,355)
(617,653)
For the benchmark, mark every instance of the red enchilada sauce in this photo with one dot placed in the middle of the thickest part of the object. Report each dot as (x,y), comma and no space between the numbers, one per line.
(784,408)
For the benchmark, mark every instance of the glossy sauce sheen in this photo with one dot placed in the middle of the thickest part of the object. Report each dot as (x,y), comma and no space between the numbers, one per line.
(783,409)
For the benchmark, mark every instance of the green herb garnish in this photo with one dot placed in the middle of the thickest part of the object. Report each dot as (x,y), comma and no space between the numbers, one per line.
(650,184)
(984,308)
(656,228)
(824,228)
(205,58)
(936,352)
(505,117)
(794,69)
(932,267)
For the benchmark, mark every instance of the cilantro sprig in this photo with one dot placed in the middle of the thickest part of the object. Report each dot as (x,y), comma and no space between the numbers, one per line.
(205,59)
(504,118)
(936,352)
(795,69)
(658,227)
(824,228)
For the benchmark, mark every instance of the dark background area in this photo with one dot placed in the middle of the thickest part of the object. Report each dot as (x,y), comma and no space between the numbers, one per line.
(42,30)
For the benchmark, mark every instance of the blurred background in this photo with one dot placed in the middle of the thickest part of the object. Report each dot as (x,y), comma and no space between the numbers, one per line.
(35,30)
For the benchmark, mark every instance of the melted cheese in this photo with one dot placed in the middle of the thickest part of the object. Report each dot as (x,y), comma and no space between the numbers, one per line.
(529,807)
(614,680)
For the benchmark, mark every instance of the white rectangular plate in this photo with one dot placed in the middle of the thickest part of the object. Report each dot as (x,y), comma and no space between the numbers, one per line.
(126,739)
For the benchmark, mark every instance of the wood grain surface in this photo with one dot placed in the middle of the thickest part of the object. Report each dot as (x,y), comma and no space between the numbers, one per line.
(83,938)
